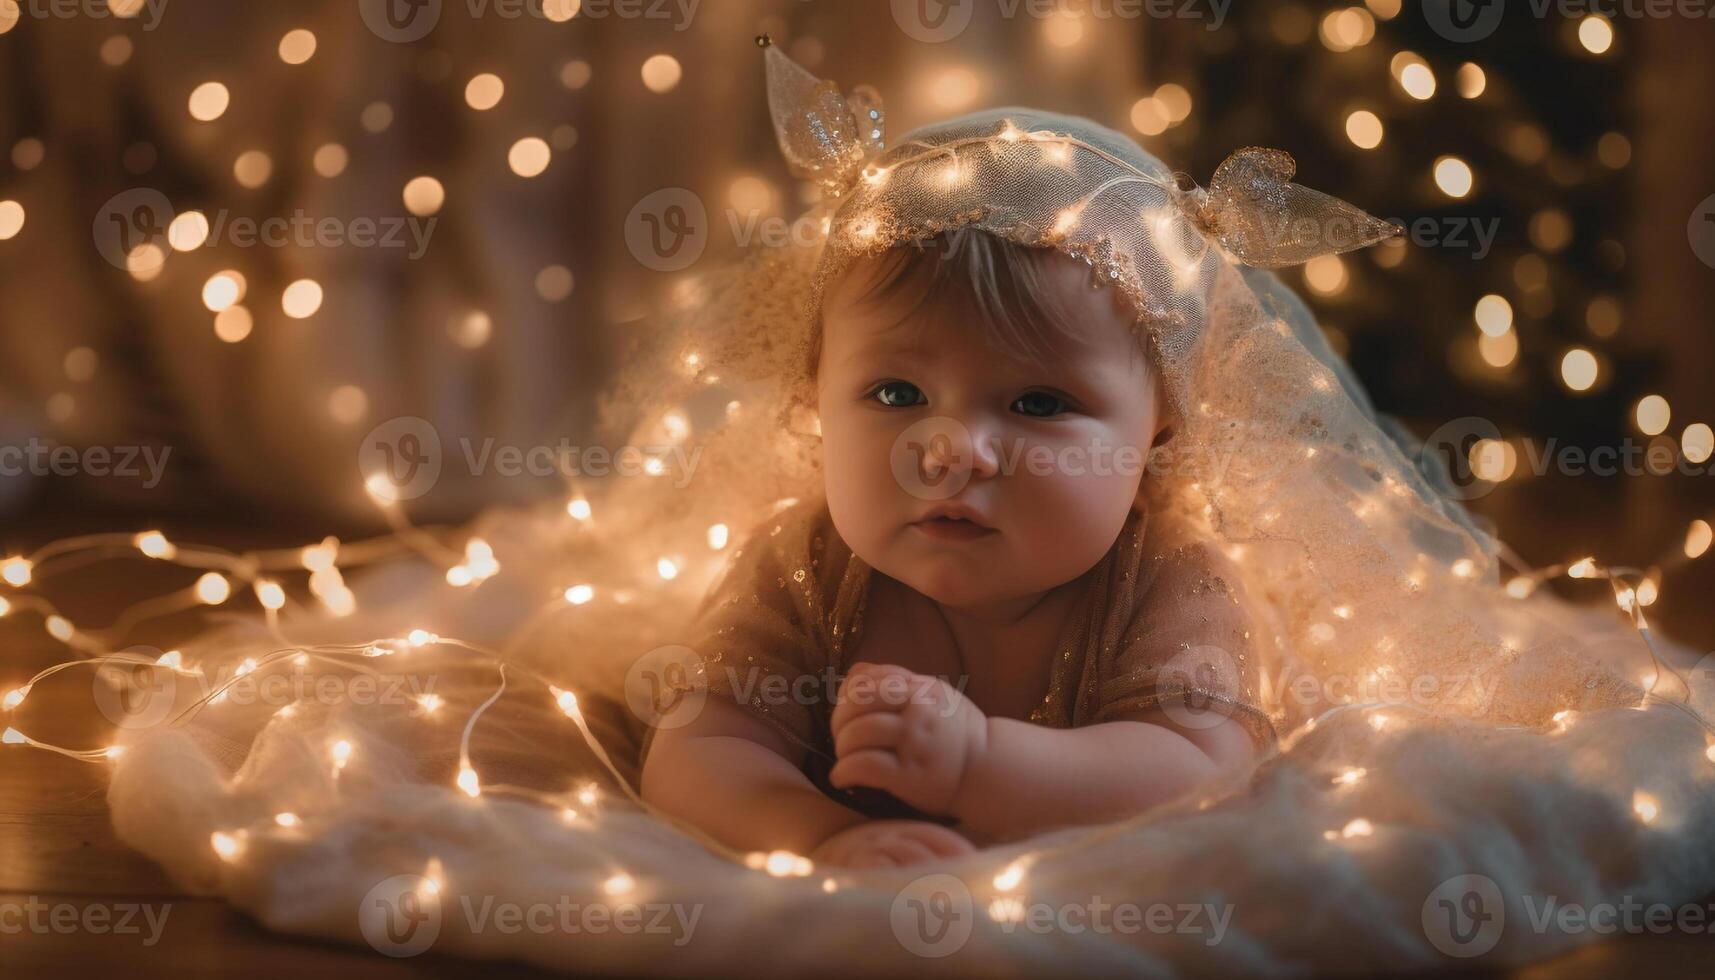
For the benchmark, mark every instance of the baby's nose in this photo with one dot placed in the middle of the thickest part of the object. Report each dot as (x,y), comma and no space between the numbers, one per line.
(969,447)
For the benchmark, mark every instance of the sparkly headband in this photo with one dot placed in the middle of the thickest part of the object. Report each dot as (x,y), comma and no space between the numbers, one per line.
(1251,208)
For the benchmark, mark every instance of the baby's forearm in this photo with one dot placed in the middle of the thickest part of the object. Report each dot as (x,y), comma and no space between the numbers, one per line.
(1028,778)
(741,793)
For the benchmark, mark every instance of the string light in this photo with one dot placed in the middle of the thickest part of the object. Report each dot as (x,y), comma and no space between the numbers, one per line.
(301,299)
(1596,34)
(1697,442)
(297,46)
(188,231)
(661,73)
(1364,129)
(424,196)
(1579,369)
(270,594)
(213,589)
(11,219)
(222,290)
(228,845)
(1010,877)
(468,781)
(154,544)
(1472,80)
(1646,806)
(1652,415)
(381,489)
(1454,177)
(16,571)
(1697,539)
(208,101)
(484,91)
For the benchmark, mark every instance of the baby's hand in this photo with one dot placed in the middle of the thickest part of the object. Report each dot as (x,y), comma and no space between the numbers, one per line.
(905,733)
(890,844)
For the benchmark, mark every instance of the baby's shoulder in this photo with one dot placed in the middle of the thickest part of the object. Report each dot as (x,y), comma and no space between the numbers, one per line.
(793,547)
(1175,563)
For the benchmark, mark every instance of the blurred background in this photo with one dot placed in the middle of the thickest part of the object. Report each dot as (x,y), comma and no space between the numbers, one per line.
(239,239)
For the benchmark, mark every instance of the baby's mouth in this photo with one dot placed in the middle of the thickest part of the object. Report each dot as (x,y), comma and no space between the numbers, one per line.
(953,524)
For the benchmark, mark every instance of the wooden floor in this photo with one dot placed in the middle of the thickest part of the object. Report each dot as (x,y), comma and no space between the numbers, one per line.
(59,854)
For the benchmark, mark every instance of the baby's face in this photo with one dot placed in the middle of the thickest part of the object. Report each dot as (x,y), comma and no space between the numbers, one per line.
(969,475)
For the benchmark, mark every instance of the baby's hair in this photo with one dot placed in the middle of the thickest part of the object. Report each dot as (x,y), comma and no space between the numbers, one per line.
(1001,280)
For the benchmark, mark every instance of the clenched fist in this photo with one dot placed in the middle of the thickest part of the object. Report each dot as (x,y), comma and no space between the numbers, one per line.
(909,734)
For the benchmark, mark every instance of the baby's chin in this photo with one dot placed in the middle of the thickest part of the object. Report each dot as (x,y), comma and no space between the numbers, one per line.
(956,582)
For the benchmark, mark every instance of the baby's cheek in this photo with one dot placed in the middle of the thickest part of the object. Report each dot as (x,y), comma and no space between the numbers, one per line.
(860,488)
(1075,514)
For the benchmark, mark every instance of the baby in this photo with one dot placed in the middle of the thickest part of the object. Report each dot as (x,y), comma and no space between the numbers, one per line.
(1008,649)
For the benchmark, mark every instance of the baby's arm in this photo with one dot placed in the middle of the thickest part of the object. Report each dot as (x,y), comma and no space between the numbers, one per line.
(730,774)
(1003,778)
(1026,778)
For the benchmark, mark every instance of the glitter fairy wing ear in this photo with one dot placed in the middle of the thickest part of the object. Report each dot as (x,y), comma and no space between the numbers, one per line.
(824,136)
(1255,211)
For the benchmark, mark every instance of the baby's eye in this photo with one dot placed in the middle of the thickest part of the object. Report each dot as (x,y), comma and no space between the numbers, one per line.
(898,394)
(1040,404)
